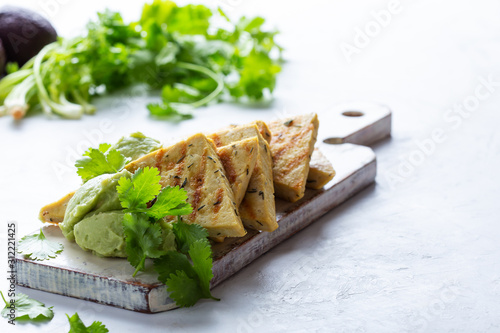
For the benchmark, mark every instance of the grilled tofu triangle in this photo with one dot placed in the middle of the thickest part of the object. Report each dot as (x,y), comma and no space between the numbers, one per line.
(320,171)
(239,161)
(292,145)
(54,212)
(257,209)
(193,164)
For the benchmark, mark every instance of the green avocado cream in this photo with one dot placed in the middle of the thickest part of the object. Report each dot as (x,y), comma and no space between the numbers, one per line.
(102,233)
(97,195)
(136,145)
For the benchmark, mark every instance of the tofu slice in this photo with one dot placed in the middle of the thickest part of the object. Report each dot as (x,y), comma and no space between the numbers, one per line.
(292,145)
(54,212)
(238,160)
(258,208)
(264,130)
(261,126)
(320,171)
(193,164)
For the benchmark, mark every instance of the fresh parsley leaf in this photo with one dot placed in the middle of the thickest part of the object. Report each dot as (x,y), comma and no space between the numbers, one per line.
(170,201)
(37,247)
(136,192)
(143,239)
(77,326)
(187,234)
(100,161)
(27,309)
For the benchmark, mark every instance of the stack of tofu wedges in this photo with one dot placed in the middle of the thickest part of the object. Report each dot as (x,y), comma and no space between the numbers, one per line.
(233,175)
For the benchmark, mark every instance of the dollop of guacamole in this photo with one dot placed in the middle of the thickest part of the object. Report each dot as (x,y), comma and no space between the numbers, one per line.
(136,145)
(102,233)
(97,195)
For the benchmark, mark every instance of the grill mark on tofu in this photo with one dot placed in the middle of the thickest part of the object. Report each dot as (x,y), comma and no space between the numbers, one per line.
(228,166)
(216,139)
(219,197)
(294,163)
(159,158)
(197,184)
(180,165)
(284,147)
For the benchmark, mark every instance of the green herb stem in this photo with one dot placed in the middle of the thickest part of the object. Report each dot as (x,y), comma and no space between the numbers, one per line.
(210,74)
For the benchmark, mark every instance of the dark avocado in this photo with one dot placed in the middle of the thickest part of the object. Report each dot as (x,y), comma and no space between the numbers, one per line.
(3,61)
(24,33)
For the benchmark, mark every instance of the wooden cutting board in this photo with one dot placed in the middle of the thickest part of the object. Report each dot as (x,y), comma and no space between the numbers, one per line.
(79,274)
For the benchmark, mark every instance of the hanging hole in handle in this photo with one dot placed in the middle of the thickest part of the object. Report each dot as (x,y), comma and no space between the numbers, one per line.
(334,141)
(353,113)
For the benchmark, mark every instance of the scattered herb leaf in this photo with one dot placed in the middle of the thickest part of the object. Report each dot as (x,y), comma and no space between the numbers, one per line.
(77,326)
(27,308)
(37,247)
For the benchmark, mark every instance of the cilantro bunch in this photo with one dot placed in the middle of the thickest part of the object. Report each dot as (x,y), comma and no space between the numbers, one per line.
(193,54)
(186,272)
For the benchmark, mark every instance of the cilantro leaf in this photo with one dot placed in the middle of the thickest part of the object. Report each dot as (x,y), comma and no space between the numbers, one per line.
(170,201)
(77,326)
(200,253)
(37,247)
(103,147)
(168,111)
(184,290)
(186,282)
(187,234)
(100,161)
(27,309)
(190,20)
(143,239)
(143,187)
(172,262)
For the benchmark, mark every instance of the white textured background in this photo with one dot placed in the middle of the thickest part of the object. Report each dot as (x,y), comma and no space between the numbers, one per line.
(417,252)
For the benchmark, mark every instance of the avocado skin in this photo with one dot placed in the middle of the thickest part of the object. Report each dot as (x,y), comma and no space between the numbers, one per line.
(24,33)
(2,59)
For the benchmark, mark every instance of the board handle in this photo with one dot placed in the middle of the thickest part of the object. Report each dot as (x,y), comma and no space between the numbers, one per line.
(360,123)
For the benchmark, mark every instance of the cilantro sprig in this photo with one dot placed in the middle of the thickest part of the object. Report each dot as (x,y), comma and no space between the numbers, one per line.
(26,309)
(96,162)
(142,231)
(76,325)
(38,247)
(186,272)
